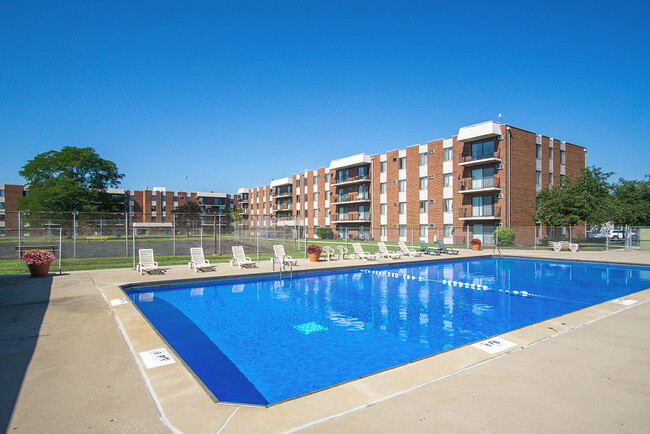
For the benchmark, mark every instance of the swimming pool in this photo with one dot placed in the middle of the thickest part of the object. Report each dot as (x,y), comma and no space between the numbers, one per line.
(265,340)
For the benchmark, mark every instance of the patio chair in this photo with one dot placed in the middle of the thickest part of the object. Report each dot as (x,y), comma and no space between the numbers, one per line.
(574,247)
(329,252)
(198,261)
(146,261)
(240,259)
(445,249)
(342,251)
(406,251)
(359,253)
(281,257)
(427,251)
(385,253)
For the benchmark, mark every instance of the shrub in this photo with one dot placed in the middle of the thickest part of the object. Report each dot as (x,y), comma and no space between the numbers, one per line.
(475,242)
(32,257)
(314,248)
(506,236)
(325,233)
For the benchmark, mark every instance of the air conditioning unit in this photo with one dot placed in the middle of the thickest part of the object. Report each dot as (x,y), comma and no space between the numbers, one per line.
(394,158)
(432,176)
(431,151)
(499,166)
(432,201)
(432,225)
(394,203)
(394,182)
(500,195)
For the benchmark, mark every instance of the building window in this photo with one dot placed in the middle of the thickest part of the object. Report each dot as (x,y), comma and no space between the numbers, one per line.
(483,149)
(561,179)
(448,154)
(402,163)
(550,180)
(449,231)
(2,205)
(561,157)
(402,185)
(424,183)
(423,159)
(424,231)
(306,213)
(315,197)
(327,212)
(382,209)
(327,178)
(482,206)
(538,152)
(402,231)
(448,179)
(383,230)
(382,188)
(483,178)
(297,183)
(2,193)
(316,213)
(327,195)
(424,207)
(538,177)
(402,207)
(382,166)
(448,205)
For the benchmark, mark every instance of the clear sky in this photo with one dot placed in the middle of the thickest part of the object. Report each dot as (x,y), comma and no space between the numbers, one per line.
(236,93)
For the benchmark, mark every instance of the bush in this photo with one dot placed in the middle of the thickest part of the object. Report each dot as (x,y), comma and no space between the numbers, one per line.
(325,233)
(506,236)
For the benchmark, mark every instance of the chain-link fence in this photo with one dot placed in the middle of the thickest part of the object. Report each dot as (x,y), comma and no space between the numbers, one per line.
(83,241)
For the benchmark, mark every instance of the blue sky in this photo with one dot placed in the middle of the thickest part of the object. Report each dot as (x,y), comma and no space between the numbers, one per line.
(236,93)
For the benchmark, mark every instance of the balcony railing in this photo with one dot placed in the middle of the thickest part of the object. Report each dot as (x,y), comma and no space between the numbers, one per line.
(351,217)
(281,208)
(480,184)
(355,197)
(485,212)
(283,193)
(468,160)
(352,179)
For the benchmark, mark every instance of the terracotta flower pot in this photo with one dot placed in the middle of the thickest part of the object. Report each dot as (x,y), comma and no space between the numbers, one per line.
(314,257)
(39,270)
(476,247)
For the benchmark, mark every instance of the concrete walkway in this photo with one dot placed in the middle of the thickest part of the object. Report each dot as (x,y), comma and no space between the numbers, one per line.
(67,367)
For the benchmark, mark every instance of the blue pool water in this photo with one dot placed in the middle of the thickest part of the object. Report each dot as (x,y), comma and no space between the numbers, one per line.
(261,341)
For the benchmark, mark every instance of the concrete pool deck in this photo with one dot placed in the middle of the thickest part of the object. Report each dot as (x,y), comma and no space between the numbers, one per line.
(68,367)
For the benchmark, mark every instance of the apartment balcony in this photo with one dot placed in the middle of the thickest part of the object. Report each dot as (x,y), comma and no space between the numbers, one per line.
(478,159)
(281,194)
(243,200)
(360,179)
(483,185)
(348,199)
(283,208)
(351,217)
(480,213)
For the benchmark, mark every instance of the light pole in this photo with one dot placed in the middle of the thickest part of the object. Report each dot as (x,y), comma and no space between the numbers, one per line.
(185,184)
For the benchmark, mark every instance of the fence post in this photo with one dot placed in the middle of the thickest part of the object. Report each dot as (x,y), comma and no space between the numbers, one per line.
(173,234)
(219,233)
(467,235)
(126,234)
(20,227)
(201,237)
(133,244)
(214,233)
(60,250)
(74,234)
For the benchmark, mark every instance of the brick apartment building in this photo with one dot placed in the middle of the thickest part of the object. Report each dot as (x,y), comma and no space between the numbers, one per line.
(486,176)
(153,206)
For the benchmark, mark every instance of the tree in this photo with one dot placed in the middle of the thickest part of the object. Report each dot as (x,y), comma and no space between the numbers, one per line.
(631,203)
(188,216)
(72,179)
(236,214)
(582,197)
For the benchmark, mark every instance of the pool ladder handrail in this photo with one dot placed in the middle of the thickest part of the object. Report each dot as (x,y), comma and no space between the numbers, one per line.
(498,249)
(282,264)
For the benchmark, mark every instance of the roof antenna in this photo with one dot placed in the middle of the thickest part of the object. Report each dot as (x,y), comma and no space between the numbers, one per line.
(499,118)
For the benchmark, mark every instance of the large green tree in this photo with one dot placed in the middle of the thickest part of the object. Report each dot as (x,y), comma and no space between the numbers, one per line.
(188,216)
(631,202)
(72,179)
(585,196)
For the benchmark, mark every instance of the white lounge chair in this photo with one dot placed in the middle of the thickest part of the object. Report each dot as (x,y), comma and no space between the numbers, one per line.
(329,252)
(406,251)
(359,253)
(342,251)
(385,253)
(240,259)
(198,261)
(282,257)
(146,261)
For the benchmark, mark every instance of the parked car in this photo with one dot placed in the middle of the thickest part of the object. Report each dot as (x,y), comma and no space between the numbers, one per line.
(616,234)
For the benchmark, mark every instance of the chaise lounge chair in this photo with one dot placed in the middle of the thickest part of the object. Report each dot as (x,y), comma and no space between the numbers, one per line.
(240,259)
(146,261)
(385,253)
(406,251)
(198,261)
(445,249)
(359,253)
(427,251)
(281,257)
